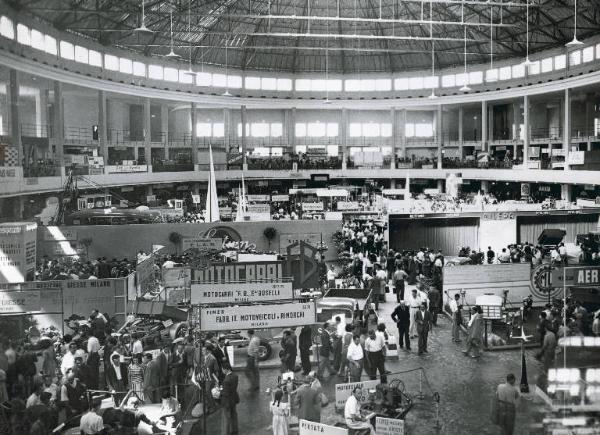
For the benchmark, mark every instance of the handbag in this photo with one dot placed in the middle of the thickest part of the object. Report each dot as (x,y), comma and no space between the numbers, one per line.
(216,392)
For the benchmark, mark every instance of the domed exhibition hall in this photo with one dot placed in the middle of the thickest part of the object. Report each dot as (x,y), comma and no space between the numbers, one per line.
(333,217)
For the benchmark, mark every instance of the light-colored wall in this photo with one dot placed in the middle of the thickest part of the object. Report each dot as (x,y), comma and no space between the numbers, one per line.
(117,114)
(124,241)
(80,111)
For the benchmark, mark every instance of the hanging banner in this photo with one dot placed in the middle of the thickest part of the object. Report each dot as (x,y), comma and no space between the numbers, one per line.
(239,272)
(344,391)
(389,426)
(306,427)
(587,276)
(257,316)
(312,206)
(202,244)
(230,293)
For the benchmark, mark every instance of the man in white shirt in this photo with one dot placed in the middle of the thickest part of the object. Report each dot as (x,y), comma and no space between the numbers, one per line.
(355,357)
(374,348)
(562,251)
(68,360)
(352,415)
(455,318)
(91,423)
(414,302)
(137,347)
(331,277)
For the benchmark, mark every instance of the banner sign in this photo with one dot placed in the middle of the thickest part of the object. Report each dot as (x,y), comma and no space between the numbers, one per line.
(239,272)
(195,199)
(559,152)
(576,157)
(259,208)
(145,271)
(177,276)
(389,426)
(230,293)
(306,427)
(175,296)
(150,198)
(344,391)
(280,198)
(202,244)
(8,172)
(587,276)
(312,206)
(257,198)
(19,302)
(347,205)
(124,169)
(96,162)
(258,316)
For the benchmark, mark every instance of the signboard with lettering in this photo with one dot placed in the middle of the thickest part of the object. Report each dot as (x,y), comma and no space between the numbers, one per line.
(280,198)
(8,172)
(343,391)
(202,244)
(257,198)
(257,316)
(585,276)
(306,427)
(176,276)
(576,158)
(17,252)
(258,208)
(347,205)
(312,206)
(230,293)
(498,215)
(239,272)
(123,169)
(389,426)
(19,302)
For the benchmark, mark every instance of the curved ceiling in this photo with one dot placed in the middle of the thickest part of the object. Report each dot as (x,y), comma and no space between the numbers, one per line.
(338,36)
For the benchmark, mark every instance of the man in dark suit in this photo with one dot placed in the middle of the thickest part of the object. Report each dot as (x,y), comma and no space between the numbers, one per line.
(324,352)
(163,360)
(308,401)
(475,333)
(229,401)
(152,380)
(305,342)
(423,320)
(401,316)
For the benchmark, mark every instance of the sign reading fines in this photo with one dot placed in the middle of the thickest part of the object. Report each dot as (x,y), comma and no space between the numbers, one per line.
(257,316)
(240,292)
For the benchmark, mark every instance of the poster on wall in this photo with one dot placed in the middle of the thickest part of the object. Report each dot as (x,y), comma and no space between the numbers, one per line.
(201,243)
(285,240)
(257,316)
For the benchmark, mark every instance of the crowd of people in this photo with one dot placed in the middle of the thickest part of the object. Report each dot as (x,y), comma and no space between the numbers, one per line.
(54,379)
(65,268)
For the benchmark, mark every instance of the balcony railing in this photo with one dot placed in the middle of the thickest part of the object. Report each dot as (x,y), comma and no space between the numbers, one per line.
(42,168)
(37,130)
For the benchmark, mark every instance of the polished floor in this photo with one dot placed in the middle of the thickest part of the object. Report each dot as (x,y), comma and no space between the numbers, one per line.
(465,386)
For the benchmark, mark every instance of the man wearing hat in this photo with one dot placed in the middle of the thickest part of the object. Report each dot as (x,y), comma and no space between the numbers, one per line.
(92,423)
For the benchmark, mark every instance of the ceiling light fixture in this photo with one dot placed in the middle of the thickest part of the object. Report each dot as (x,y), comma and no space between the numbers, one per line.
(226,93)
(171,53)
(432,96)
(465,86)
(190,71)
(575,41)
(527,62)
(143,28)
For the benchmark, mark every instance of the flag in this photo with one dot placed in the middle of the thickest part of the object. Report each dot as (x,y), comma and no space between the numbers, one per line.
(212,203)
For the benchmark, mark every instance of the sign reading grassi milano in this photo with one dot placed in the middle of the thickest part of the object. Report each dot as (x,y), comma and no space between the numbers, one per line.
(258,316)
(204,294)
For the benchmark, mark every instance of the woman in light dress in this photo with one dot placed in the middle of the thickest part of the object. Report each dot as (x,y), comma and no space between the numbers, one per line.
(281,414)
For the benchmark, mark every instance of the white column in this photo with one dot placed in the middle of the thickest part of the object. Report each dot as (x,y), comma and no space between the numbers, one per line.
(567,126)
(164,128)
(59,123)
(461,138)
(243,119)
(194,138)
(439,134)
(484,126)
(402,124)
(147,123)
(526,132)
(344,137)
(227,129)
(393,116)
(15,122)
(102,127)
